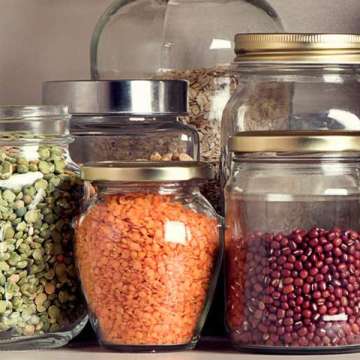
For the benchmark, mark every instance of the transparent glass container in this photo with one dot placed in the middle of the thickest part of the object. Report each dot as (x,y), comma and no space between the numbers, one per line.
(185,39)
(149,250)
(293,244)
(293,82)
(41,304)
(126,120)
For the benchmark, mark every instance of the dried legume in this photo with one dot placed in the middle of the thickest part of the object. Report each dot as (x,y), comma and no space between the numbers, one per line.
(146,263)
(38,199)
(295,290)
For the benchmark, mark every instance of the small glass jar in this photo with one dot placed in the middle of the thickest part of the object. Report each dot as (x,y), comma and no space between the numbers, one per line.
(41,304)
(293,242)
(292,82)
(149,251)
(126,120)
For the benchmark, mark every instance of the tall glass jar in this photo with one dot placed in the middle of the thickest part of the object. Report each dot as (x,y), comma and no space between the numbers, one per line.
(126,119)
(184,39)
(40,299)
(149,251)
(293,243)
(293,82)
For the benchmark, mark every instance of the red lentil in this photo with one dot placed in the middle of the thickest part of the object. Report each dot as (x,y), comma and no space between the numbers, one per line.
(142,288)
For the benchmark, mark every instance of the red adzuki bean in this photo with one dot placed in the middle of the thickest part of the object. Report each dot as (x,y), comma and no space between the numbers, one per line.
(301,289)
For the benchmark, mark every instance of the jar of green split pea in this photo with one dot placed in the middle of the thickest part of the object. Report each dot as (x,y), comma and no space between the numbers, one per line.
(40,300)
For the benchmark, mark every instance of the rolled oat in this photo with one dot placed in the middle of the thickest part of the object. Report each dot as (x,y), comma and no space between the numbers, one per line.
(209,91)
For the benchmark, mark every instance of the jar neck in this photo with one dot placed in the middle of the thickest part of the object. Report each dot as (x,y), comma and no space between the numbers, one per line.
(102,123)
(269,157)
(287,71)
(119,119)
(334,163)
(21,125)
(173,189)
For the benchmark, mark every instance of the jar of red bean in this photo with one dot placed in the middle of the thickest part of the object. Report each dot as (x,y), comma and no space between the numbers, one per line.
(293,242)
(148,249)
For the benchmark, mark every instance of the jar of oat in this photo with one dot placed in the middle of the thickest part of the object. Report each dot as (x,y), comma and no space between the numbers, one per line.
(126,120)
(148,250)
(299,82)
(41,304)
(184,39)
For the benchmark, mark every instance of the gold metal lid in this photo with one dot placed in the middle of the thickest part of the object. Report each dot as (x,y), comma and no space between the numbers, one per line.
(295,141)
(298,47)
(146,171)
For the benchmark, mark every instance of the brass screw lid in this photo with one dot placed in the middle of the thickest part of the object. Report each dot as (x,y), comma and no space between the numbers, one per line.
(295,141)
(146,171)
(298,47)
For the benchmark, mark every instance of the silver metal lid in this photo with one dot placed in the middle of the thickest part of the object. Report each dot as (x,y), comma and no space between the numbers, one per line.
(140,97)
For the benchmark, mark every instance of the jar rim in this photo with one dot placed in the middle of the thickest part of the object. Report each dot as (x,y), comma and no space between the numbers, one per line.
(146,171)
(308,48)
(32,111)
(295,141)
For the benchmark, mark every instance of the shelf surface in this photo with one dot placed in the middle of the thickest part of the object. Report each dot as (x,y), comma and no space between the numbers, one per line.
(209,348)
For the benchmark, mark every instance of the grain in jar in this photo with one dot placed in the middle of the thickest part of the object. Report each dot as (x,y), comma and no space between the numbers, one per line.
(41,303)
(292,242)
(126,120)
(148,250)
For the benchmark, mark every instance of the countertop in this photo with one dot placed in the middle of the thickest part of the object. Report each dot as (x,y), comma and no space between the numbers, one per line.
(208,349)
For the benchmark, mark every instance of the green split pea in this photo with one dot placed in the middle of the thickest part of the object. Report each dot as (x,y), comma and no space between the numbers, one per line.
(39,290)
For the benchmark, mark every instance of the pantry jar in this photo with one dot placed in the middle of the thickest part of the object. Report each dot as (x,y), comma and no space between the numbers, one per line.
(41,304)
(148,250)
(126,119)
(293,242)
(293,82)
(183,39)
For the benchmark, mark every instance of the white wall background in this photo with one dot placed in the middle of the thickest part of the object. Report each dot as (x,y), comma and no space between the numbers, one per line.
(49,39)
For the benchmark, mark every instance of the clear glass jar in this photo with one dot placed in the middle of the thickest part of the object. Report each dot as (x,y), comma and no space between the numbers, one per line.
(183,39)
(292,242)
(41,304)
(293,82)
(149,251)
(126,120)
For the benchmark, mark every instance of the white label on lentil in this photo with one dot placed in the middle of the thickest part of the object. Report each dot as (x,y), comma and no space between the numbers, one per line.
(175,232)
(20,180)
(337,317)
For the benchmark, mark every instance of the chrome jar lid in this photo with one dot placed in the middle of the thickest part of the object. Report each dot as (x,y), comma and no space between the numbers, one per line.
(146,171)
(295,141)
(139,97)
(298,48)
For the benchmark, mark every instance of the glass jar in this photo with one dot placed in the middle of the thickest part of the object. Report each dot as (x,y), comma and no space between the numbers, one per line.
(40,298)
(293,243)
(293,82)
(183,39)
(148,249)
(126,120)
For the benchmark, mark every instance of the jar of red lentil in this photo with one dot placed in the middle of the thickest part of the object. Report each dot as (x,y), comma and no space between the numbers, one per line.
(148,251)
(293,243)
